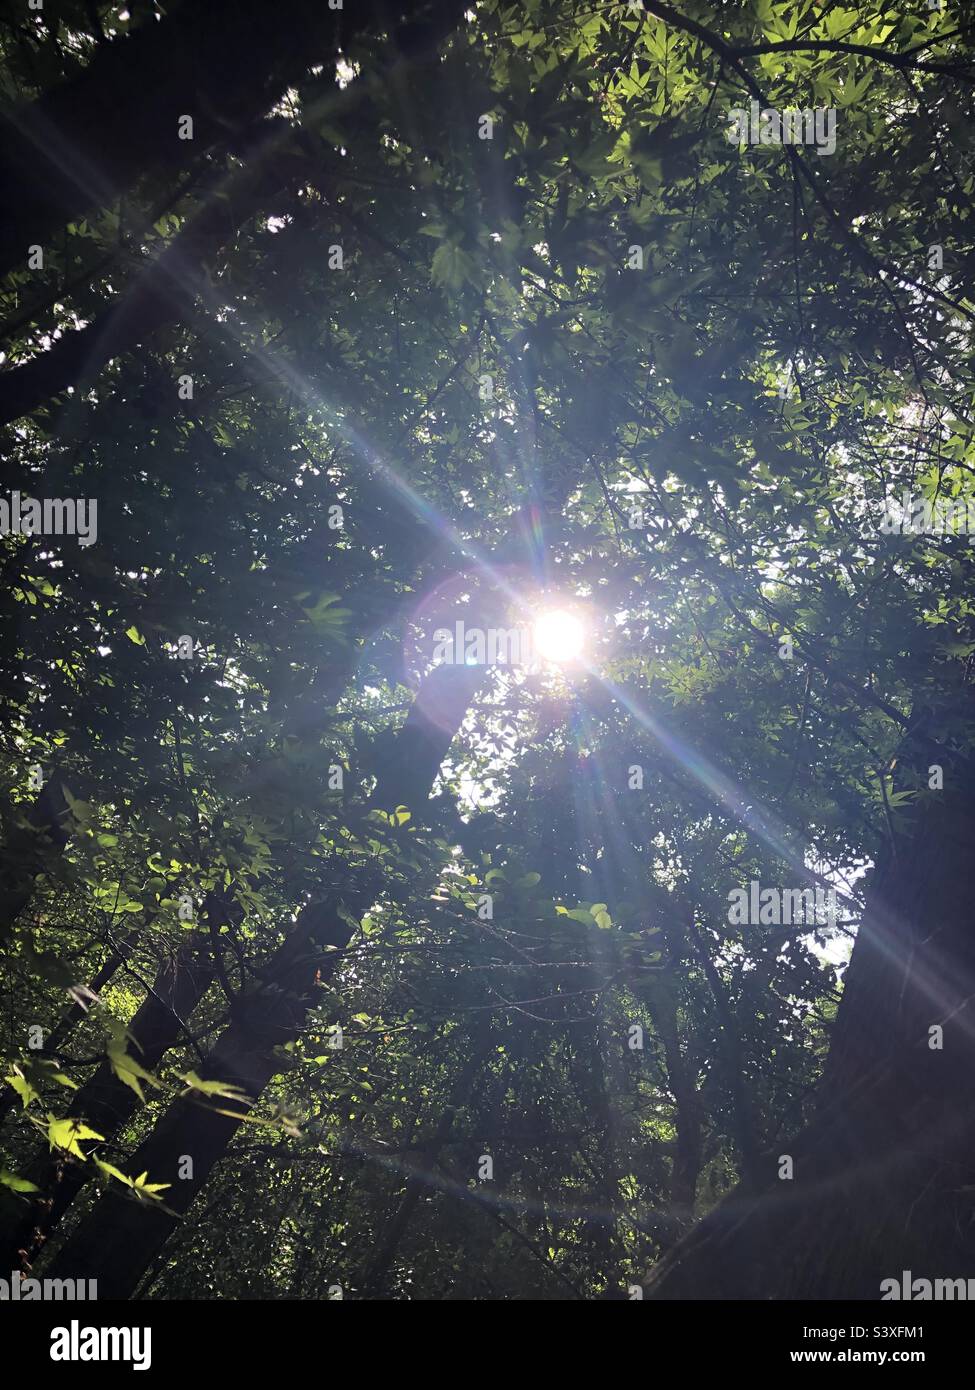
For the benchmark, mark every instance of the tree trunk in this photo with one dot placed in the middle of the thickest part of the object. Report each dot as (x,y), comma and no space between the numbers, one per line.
(376,1280)
(75,1012)
(659,994)
(117,1240)
(28,849)
(167,290)
(105,1101)
(884,1175)
(162,293)
(86,141)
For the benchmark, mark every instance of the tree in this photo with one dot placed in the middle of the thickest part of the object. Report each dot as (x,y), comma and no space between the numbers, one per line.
(460,319)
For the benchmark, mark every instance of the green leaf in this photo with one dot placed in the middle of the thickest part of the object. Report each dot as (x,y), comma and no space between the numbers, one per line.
(22,1086)
(148,1189)
(140,1186)
(11,1180)
(213,1088)
(451,267)
(66,1134)
(128,1070)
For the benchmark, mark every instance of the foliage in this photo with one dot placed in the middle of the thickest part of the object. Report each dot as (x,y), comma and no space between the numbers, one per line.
(615,394)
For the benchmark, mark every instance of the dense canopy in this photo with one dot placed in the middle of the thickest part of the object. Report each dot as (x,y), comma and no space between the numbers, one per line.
(342,955)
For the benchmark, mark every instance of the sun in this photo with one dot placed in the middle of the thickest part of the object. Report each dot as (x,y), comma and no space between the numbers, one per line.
(559,636)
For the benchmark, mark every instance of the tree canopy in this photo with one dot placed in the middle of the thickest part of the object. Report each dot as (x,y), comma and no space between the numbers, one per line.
(332,971)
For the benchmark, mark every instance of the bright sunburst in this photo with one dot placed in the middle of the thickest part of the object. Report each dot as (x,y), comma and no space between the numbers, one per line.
(559,636)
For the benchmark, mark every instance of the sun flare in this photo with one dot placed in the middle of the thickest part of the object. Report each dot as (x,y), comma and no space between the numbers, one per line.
(559,636)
